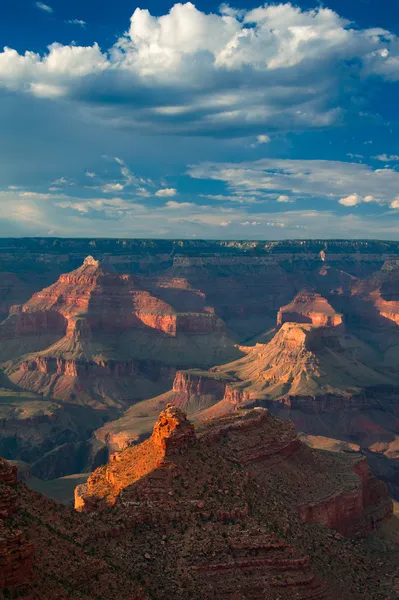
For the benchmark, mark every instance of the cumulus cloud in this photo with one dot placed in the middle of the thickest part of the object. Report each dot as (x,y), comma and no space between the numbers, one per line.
(110,188)
(348,183)
(260,139)
(283,198)
(351,200)
(166,192)
(229,73)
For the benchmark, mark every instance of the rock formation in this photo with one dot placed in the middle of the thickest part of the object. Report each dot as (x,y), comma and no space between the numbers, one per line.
(309,307)
(16,553)
(240,491)
(121,326)
(98,338)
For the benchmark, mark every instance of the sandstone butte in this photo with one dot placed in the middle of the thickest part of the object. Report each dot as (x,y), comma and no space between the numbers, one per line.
(102,339)
(309,307)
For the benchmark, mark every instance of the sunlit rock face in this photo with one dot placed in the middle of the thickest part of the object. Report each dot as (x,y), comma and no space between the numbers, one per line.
(100,338)
(309,307)
(228,478)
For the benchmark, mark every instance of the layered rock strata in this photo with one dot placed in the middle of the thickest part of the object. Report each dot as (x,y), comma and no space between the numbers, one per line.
(16,553)
(309,307)
(219,486)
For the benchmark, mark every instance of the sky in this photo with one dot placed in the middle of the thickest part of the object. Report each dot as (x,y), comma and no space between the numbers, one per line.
(161,120)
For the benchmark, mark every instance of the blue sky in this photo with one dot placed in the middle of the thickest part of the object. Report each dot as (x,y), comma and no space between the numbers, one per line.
(255,121)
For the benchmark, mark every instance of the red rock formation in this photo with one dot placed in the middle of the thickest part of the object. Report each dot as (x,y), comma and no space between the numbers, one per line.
(16,554)
(213,495)
(198,390)
(309,307)
(173,432)
(110,302)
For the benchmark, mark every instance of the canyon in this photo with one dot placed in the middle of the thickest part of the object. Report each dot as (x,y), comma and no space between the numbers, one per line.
(168,379)
(306,328)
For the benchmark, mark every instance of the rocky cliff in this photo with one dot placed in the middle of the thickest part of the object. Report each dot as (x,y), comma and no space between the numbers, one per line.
(53,564)
(98,338)
(309,307)
(16,553)
(235,490)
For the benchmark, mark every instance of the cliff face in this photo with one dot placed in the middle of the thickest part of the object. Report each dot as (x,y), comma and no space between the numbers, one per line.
(352,512)
(16,553)
(217,487)
(87,338)
(307,361)
(309,307)
(31,426)
(110,303)
(53,564)
(100,384)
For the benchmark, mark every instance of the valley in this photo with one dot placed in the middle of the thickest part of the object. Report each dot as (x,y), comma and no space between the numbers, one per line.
(117,329)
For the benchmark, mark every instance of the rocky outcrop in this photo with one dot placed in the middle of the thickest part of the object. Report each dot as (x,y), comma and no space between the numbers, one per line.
(172,434)
(304,362)
(95,297)
(16,553)
(218,487)
(309,307)
(31,426)
(90,338)
(198,390)
(96,383)
(195,390)
(352,512)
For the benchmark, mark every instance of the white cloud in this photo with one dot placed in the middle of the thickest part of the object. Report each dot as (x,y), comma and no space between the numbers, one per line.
(179,205)
(110,188)
(36,195)
(387,157)
(44,7)
(348,183)
(283,198)
(395,203)
(275,66)
(79,22)
(90,174)
(119,217)
(166,192)
(351,200)
(260,139)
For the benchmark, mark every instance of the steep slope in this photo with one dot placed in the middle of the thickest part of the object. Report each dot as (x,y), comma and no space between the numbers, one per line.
(308,361)
(243,510)
(42,555)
